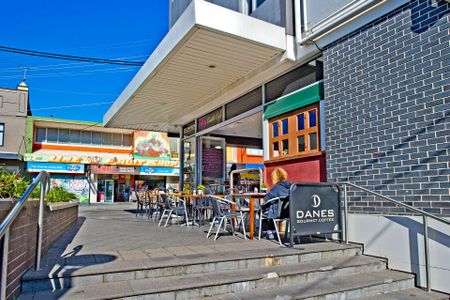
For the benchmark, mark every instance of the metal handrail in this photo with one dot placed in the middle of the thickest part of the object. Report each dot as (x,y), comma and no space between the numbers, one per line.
(43,178)
(424,214)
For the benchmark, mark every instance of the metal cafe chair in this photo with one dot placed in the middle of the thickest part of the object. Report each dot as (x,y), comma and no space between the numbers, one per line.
(280,210)
(200,208)
(174,207)
(222,209)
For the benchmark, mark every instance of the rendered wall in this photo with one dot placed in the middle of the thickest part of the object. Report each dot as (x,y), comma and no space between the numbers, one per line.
(400,240)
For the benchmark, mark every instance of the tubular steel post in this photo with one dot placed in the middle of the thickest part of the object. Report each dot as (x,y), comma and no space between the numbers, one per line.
(345,215)
(40,225)
(4,266)
(427,253)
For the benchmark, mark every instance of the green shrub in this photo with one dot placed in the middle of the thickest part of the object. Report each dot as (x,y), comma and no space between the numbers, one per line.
(59,194)
(13,185)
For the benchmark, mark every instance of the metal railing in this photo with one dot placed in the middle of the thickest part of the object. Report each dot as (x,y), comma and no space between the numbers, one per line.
(44,179)
(424,215)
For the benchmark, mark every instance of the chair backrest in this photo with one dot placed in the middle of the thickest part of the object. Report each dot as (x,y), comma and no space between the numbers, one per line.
(283,208)
(217,210)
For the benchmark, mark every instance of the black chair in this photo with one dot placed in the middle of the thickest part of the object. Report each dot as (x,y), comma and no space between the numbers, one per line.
(281,208)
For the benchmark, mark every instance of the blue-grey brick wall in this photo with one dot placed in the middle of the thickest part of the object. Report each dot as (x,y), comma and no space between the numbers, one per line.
(387,102)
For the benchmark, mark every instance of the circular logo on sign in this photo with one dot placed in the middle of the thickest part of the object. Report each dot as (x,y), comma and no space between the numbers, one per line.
(316,201)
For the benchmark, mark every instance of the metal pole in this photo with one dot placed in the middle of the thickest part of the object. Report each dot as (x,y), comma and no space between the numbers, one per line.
(40,224)
(427,253)
(4,266)
(345,215)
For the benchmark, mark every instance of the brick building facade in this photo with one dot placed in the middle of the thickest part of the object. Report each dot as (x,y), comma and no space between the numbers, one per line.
(387,103)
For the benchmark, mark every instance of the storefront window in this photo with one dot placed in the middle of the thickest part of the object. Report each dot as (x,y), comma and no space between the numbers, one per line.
(189,163)
(300,133)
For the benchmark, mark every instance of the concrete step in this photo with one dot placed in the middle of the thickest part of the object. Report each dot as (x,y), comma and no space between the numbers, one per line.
(342,287)
(68,274)
(194,286)
(409,294)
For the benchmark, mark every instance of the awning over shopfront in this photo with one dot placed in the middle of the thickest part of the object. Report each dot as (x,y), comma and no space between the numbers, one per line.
(208,49)
(303,97)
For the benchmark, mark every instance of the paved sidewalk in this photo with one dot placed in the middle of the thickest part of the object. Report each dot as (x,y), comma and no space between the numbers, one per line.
(109,233)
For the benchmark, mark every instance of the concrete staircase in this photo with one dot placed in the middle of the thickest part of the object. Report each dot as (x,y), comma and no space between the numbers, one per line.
(266,271)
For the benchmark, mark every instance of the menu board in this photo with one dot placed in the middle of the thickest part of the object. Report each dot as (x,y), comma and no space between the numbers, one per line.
(212,164)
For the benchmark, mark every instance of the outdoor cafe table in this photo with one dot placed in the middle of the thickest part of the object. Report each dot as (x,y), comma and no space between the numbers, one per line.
(252,198)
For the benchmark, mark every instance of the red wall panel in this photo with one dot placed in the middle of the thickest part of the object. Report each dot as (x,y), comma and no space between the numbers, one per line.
(306,169)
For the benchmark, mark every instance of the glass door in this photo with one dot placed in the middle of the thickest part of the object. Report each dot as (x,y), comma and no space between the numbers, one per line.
(109,190)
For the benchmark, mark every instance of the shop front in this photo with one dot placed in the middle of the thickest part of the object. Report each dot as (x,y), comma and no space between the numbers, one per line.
(71,177)
(113,183)
(151,178)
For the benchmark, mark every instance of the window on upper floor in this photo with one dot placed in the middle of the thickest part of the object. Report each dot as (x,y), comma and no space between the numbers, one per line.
(299,134)
(78,137)
(2,134)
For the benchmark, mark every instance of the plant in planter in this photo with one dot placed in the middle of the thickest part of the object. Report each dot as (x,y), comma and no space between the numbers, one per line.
(13,185)
(59,194)
(201,189)
(264,188)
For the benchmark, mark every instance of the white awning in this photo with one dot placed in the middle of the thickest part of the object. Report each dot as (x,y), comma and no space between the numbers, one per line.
(208,49)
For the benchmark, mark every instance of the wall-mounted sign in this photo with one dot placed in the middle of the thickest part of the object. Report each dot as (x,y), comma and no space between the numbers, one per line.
(114,170)
(189,129)
(55,167)
(314,208)
(209,120)
(159,171)
(99,160)
(151,144)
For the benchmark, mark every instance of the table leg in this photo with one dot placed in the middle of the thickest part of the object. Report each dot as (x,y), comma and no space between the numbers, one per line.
(252,218)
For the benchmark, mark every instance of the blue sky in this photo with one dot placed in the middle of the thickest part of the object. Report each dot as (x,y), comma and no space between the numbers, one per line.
(112,29)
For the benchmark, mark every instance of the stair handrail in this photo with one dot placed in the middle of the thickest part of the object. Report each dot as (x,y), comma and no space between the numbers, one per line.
(424,214)
(42,178)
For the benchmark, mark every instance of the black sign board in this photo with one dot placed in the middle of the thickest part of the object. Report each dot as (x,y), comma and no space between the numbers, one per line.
(212,164)
(314,208)
(189,129)
(209,120)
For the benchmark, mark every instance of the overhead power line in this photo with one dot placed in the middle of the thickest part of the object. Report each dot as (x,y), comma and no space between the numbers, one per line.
(71,57)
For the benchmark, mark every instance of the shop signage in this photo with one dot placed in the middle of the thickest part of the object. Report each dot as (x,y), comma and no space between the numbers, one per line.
(151,144)
(159,171)
(314,208)
(209,120)
(55,167)
(189,129)
(113,170)
(99,160)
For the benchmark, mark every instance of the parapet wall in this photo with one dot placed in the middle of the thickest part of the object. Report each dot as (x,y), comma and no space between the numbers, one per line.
(23,233)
